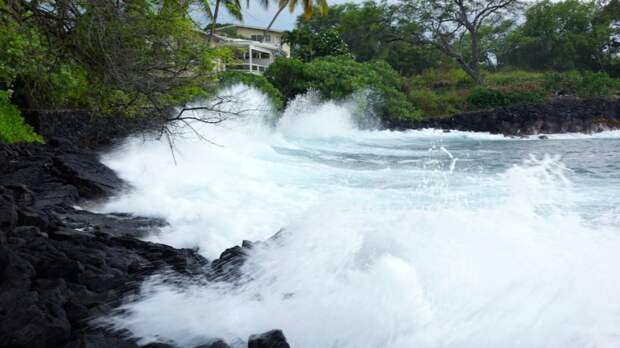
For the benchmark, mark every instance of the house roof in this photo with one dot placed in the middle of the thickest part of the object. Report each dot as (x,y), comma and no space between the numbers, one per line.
(249,27)
(259,46)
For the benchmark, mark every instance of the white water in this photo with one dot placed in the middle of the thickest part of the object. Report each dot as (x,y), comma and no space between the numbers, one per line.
(393,239)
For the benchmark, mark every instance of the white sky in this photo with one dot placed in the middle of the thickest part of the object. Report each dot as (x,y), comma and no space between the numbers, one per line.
(256,15)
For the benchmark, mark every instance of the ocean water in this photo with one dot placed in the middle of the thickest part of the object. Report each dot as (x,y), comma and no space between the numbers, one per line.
(392,239)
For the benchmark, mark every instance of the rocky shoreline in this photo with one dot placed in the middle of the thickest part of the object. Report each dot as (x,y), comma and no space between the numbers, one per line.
(61,266)
(563,115)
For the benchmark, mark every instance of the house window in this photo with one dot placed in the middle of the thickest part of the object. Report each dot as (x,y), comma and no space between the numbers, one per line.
(260,38)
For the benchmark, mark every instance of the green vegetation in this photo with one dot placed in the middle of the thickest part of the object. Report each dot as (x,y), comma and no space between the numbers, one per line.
(110,57)
(487,59)
(562,36)
(339,77)
(369,31)
(443,93)
(13,129)
(309,45)
(415,57)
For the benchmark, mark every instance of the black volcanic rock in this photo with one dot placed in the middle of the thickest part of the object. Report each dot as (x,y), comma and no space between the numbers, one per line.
(91,178)
(564,115)
(269,339)
(215,344)
(61,266)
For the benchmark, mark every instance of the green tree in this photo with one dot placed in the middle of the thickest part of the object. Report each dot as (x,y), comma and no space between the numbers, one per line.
(307,5)
(233,7)
(447,24)
(561,36)
(107,55)
(307,45)
(370,32)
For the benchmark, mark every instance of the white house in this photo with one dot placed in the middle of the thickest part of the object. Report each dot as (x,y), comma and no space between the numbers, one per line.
(254,50)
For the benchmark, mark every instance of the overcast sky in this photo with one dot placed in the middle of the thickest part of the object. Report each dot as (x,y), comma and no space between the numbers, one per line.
(256,15)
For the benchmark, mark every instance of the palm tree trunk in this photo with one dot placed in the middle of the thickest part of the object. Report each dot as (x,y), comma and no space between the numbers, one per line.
(217,9)
(274,19)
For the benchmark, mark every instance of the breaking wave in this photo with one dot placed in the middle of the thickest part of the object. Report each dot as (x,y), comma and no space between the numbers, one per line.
(391,239)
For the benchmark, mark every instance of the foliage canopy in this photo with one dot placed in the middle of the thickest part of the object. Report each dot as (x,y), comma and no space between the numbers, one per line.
(340,77)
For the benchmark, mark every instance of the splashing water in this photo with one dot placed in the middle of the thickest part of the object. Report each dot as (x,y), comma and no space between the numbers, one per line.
(393,239)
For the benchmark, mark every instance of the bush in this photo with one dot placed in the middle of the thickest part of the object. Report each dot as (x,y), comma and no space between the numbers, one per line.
(13,129)
(439,93)
(442,79)
(513,78)
(562,83)
(257,81)
(437,104)
(597,84)
(583,84)
(339,77)
(287,75)
(486,98)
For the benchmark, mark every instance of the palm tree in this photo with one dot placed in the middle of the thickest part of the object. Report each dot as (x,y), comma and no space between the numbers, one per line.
(233,7)
(307,5)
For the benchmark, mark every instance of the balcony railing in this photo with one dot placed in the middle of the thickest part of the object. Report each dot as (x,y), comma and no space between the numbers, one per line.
(255,68)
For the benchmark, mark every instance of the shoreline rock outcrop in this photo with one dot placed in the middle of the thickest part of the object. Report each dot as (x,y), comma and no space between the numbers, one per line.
(61,266)
(564,115)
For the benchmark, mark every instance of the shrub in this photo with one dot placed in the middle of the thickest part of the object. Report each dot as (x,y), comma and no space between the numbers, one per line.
(13,129)
(597,84)
(516,79)
(442,79)
(486,98)
(562,83)
(583,84)
(339,77)
(437,104)
(287,75)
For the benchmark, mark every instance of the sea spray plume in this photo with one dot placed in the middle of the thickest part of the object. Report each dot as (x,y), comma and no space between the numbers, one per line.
(372,259)
(308,116)
(452,158)
(233,102)
(362,105)
(539,185)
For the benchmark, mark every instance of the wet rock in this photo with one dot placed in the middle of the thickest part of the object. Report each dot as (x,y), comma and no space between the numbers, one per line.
(28,217)
(228,266)
(158,345)
(61,266)
(8,211)
(269,339)
(563,115)
(66,130)
(215,344)
(92,178)
(100,340)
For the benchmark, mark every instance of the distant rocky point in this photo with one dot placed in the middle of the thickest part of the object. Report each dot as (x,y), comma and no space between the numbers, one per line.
(562,115)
